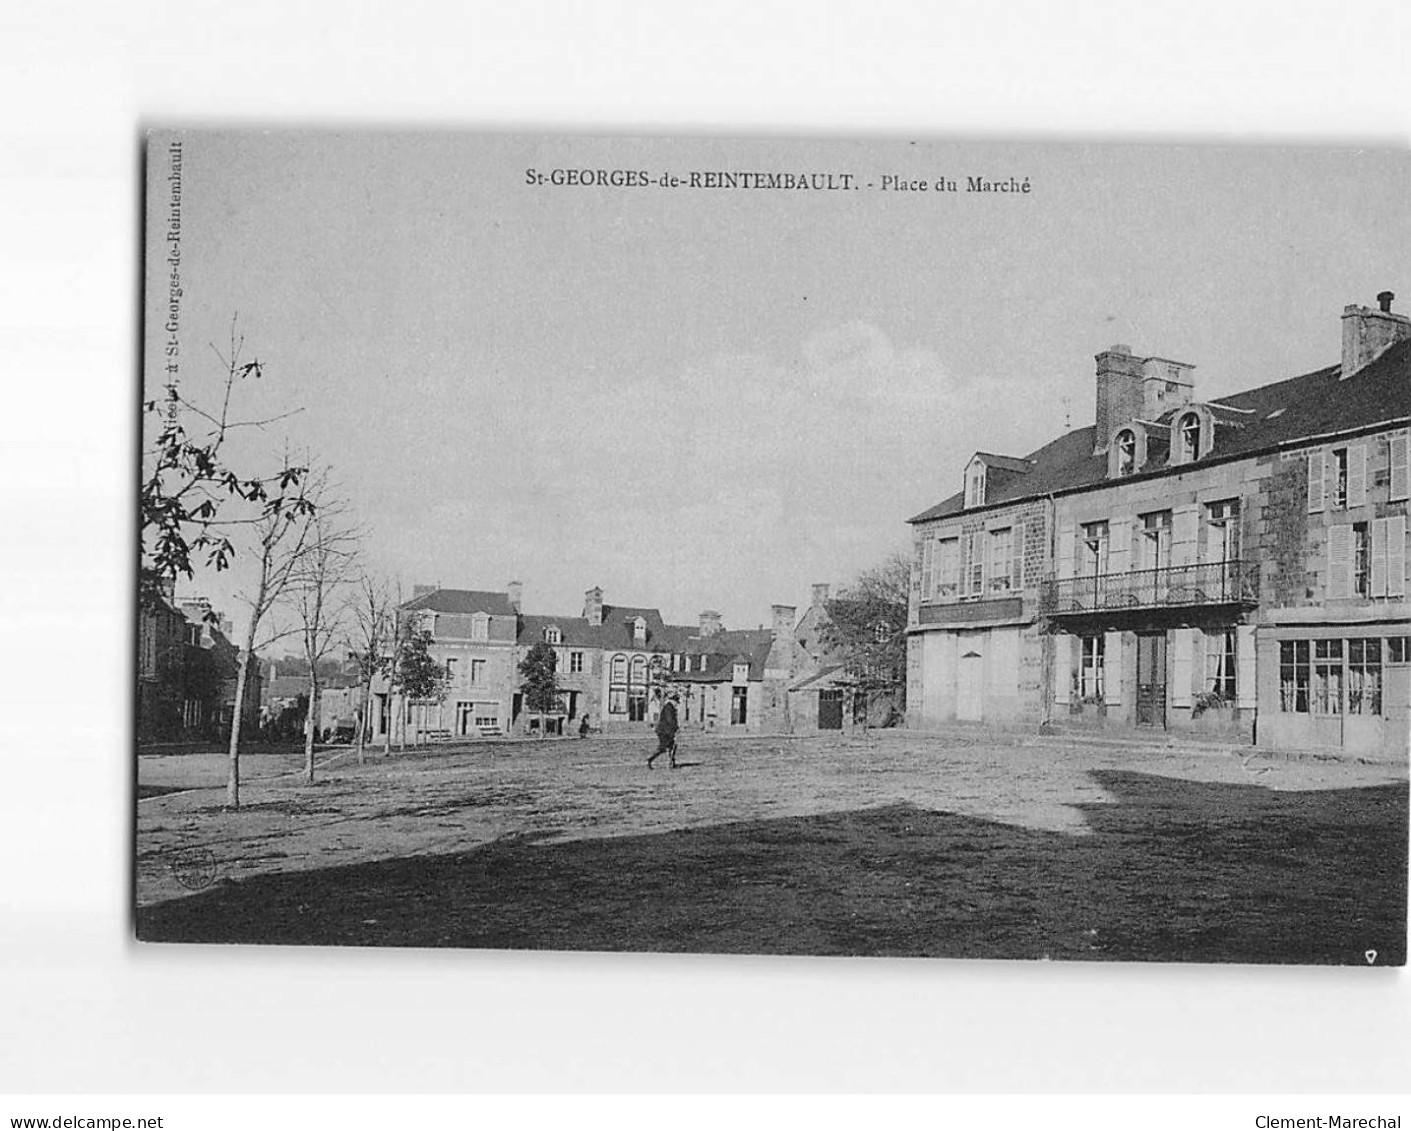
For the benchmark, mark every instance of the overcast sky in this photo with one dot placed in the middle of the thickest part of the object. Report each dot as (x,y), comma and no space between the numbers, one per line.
(712,399)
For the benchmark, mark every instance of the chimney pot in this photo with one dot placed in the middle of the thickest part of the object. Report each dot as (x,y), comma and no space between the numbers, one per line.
(1384,300)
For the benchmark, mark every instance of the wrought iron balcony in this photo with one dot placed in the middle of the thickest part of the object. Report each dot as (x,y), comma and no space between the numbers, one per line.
(1210,583)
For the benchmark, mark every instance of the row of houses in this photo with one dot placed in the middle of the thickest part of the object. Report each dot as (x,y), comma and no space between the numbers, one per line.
(615,664)
(1232,569)
(186,671)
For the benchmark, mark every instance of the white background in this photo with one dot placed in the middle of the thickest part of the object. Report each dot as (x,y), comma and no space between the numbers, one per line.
(85,1009)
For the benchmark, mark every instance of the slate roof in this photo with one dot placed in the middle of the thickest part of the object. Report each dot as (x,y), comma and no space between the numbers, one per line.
(462,602)
(1005,463)
(1285,412)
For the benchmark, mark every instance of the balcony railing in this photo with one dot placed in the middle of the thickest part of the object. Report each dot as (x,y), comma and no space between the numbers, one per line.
(1211,583)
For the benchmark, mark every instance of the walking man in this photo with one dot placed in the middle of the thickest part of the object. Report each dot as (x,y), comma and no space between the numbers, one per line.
(666,733)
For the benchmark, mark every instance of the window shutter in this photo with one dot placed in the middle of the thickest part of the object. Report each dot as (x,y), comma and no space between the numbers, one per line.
(1338,583)
(1112,669)
(1357,475)
(1065,551)
(1400,487)
(1062,667)
(1245,689)
(1185,525)
(1379,554)
(928,550)
(1396,556)
(1317,463)
(1182,666)
(1016,548)
(1119,546)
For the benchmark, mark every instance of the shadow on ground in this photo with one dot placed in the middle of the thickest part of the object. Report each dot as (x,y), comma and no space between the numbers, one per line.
(1172,871)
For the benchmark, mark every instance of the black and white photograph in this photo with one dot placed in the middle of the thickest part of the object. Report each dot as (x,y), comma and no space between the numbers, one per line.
(852,546)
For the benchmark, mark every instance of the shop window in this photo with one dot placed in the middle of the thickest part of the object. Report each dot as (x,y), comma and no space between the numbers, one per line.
(1364,677)
(1327,677)
(1294,675)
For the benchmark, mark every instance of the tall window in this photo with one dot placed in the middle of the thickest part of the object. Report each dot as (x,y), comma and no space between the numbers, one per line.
(975,569)
(1189,438)
(1294,676)
(1222,529)
(619,669)
(1339,484)
(1220,664)
(477,671)
(947,567)
(1090,673)
(575,662)
(1364,677)
(1092,555)
(1327,677)
(451,668)
(1156,540)
(1001,558)
(480,627)
(1361,560)
(1126,452)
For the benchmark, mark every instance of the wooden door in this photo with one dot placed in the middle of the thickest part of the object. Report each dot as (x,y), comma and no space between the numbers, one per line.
(1151,679)
(970,687)
(830,709)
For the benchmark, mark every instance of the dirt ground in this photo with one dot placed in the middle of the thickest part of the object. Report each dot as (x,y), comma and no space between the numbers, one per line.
(891,843)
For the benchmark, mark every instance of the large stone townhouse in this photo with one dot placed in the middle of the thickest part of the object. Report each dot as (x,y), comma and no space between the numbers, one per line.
(1234,568)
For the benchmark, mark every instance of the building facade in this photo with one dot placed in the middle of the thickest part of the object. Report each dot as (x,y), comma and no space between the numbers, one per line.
(1233,569)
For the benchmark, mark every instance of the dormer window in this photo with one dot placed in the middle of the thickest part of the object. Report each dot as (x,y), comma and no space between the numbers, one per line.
(975,484)
(552,635)
(639,631)
(1126,452)
(480,626)
(1188,437)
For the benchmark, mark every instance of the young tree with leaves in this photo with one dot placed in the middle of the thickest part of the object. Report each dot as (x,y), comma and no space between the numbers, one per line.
(191,498)
(867,623)
(417,676)
(539,670)
(278,544)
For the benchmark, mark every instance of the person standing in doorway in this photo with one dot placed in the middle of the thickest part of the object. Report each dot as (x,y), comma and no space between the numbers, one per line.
(666,733)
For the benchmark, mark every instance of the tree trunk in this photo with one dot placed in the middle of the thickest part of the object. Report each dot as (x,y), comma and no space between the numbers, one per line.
(364,720)
(311,725)
(232,781)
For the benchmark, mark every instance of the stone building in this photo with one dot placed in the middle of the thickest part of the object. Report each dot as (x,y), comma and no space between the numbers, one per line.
(1233,568)
(473,634)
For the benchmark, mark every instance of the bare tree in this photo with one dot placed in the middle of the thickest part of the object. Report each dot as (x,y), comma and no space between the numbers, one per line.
(325,567)
(371,620)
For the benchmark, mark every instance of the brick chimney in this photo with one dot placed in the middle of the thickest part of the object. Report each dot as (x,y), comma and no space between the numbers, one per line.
(515,591)
(820,594)
(1367,333)
(1136,388)
(710,623)
(593,606)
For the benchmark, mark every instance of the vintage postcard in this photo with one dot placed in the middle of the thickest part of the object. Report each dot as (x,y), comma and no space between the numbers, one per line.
(871,547)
